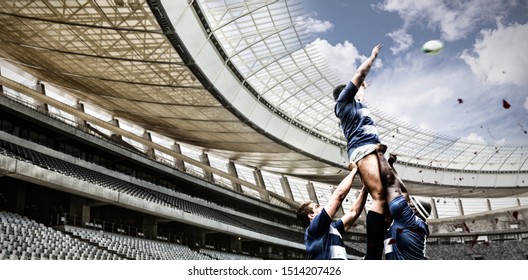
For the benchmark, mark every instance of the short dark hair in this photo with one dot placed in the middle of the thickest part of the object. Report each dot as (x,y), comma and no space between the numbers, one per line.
(338,90)
(303,212)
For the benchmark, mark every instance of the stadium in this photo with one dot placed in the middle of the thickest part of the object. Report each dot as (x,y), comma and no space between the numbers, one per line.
(193,130)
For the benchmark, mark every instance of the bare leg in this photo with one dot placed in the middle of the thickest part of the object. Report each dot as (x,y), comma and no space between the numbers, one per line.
(369,170)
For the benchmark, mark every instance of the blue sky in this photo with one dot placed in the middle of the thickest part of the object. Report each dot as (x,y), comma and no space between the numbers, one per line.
(458,92)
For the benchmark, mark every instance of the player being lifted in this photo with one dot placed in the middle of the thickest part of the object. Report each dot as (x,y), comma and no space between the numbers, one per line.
(362,138)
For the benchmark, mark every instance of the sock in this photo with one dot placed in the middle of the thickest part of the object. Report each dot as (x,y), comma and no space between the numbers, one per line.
(376,228)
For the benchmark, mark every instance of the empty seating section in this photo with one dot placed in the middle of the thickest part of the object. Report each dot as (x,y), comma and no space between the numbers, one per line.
(24,239)
(137,248)
(497,250)
(219,255)
(146,194)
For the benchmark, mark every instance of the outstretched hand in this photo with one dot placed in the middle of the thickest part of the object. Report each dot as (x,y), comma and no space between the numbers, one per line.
(376,49)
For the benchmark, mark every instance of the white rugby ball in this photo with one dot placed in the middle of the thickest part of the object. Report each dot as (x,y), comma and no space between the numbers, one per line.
(432,47)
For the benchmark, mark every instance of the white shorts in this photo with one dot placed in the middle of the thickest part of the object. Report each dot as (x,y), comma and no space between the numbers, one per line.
(362,152)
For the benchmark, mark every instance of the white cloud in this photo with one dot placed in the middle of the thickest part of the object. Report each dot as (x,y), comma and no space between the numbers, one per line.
(499,56)
(434,96)
(500,142)
(402,40)
(526,103)
(475,138)
(343,58)
(314,25)
(454,19)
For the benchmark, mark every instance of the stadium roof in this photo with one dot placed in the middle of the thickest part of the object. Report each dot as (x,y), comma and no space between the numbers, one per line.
(237,79)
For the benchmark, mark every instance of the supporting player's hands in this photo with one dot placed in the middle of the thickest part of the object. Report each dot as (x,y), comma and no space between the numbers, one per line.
(352,166)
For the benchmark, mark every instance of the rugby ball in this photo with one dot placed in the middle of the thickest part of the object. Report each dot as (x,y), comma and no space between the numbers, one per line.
(432,47)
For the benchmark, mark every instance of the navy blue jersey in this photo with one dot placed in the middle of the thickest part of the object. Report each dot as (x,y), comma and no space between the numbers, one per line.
(405,239)
(323,238)
(358,126)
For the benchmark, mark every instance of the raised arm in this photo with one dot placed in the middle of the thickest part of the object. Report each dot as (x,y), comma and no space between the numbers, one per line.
(361,73)
(346,93)
(356,209)
(340,193)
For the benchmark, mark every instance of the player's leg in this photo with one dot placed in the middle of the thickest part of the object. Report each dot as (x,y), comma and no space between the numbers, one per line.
(369,171)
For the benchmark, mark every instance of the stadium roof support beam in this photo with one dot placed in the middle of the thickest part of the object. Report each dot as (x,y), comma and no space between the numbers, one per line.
(73,111)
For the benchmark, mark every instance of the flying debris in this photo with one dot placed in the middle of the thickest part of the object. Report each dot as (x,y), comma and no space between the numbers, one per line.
(505,104)
(460,100)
